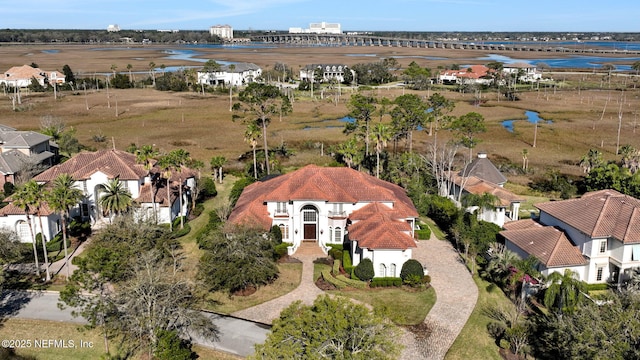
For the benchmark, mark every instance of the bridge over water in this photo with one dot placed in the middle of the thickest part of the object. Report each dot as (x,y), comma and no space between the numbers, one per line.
(369,40)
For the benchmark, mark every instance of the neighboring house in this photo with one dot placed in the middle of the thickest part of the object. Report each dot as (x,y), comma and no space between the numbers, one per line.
(21,149)
(526,72)
(329,72)
(602,227)
(20,76)
(91,171)
(482,177)
(234,74)
(474,74)
(333,206)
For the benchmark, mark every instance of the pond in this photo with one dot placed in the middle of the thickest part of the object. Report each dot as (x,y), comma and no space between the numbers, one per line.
(532,117)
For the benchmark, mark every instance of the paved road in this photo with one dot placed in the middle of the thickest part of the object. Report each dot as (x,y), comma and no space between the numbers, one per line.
(237,336)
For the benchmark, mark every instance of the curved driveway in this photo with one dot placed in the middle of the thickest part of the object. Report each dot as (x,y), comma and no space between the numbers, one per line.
(456,298)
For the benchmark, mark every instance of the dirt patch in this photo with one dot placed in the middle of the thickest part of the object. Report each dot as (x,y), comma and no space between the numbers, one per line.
(420,331)
(324,285)
(246,291)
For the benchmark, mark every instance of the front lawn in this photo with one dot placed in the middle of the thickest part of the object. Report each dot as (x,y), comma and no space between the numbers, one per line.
(403,306)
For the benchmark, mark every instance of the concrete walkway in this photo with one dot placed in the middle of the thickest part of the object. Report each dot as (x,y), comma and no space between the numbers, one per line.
(306,292)
(456,294)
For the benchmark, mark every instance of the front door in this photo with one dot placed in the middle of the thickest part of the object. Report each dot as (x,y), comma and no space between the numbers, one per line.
(310,223)
(309,232)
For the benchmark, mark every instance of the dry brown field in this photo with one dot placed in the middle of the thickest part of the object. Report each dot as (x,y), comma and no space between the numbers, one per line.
(202,125)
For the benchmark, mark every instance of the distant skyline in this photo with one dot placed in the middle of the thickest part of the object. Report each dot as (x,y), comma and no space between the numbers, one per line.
(353,15)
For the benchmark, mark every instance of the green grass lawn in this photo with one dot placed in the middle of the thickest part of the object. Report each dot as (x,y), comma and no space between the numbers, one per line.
(474,342)
(402,306)
(435,230)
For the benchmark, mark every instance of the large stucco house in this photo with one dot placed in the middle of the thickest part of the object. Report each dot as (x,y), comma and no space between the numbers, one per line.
(335,72)
(482,177)
(525,72)
(474,74)
(325,205)
(20,76)
(238,74)
(597,236)
(91,171)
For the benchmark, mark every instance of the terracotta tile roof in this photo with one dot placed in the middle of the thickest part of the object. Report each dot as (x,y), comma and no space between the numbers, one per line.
(325,184)
(11,209)
(23,72)
(113,163)
(376,226)
(599,214)
(160,194)
(475,185)
(477,72)
(548,244)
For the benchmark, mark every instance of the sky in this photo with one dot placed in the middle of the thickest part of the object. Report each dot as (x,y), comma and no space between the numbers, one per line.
(353,15)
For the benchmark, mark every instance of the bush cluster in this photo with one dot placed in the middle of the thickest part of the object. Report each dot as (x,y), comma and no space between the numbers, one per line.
(281,249)
(336,251)
(364,271)
(423,234)
(386,282)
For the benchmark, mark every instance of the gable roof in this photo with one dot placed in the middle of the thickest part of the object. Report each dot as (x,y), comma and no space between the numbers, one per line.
(600,214)
(547,244)
(484,169)
(114,163)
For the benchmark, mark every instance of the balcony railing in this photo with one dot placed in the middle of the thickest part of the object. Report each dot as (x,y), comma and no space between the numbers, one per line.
(334,214)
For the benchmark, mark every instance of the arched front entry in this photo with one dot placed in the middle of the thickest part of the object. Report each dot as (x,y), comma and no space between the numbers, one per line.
(309,223)
(97,210)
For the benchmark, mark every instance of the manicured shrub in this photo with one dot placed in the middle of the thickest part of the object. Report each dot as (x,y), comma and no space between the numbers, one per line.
(208,188)
(281,249)
(386,282)
(597,287)
(336,267)
(364,271)
(198,209)
(326,275)
(276,234)
(411,267)
(346,262)
(424,233)
(413,280)
(352,282)
(335,253)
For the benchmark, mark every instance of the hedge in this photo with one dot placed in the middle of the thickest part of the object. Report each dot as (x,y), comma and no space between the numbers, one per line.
(346,262)
(281,249)
(335,251)
(326,275)
(336,267)
(351,282)
(424,233)
(386,282)
(596,287)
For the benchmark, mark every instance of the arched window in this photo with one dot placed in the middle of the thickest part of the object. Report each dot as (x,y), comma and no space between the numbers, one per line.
(22,228)
(383,270)
(337,235)
(392,270)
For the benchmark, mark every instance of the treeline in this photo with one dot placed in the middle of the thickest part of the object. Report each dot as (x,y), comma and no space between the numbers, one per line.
(103,36)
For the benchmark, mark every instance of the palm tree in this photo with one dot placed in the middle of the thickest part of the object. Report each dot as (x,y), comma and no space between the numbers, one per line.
(251,136)
(115,197)
(146,155)
(217,164)
(175,161)
(381,134)
(129,67)
(62,198)
(152,72)
(22,200)
(591,160)
(525,154)
(39,198)
(564,292)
